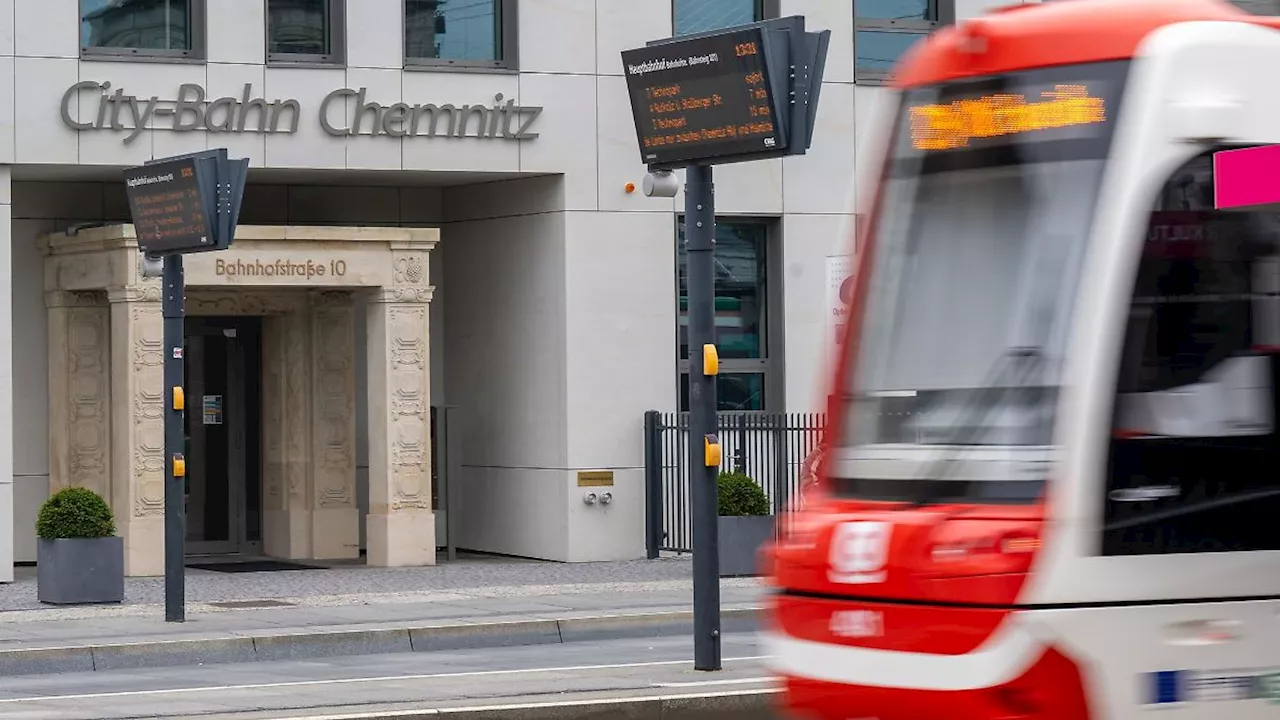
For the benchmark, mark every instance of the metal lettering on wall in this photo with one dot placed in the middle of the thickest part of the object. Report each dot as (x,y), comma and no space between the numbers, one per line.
(280,268)
(104,109)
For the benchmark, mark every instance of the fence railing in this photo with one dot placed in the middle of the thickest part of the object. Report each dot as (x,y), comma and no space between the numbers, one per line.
(768,447)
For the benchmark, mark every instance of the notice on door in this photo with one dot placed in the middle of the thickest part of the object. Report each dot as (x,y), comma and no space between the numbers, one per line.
(212,409)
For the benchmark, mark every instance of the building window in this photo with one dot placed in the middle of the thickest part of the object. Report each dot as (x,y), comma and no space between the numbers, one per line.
(742,311)
(144,28)
(697,16)
(1194,436)
(305,30)
(460,33)
(885,29)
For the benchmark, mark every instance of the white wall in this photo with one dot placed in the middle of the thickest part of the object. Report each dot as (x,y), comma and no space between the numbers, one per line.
(505,369)
(621,362)
(7,386)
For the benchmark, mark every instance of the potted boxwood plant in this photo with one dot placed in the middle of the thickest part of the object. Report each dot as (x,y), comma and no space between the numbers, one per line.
(79,557)
(745,523)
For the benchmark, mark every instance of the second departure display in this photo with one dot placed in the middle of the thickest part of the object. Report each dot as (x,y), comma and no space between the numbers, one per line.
(703,98)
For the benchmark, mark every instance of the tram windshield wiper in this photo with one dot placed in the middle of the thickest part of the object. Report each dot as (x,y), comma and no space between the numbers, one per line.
(1013,364)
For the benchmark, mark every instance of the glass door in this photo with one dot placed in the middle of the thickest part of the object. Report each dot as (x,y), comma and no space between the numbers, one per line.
(216,487)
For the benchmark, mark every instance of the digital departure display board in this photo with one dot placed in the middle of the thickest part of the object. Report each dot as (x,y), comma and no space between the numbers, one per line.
(168,204)
(704,98)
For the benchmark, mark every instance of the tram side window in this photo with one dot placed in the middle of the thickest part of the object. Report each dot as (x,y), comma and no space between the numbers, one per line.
(1194,444)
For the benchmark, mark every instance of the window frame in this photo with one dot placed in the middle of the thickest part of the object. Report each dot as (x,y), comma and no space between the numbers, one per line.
(197,13)
(337,40)
(943,12)
(770,365)
(764,10)
(508,25)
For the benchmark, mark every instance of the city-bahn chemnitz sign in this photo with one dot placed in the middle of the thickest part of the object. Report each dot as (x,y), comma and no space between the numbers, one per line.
(104,107)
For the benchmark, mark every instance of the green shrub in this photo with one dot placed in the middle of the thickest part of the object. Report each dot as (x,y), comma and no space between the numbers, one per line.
(75,512)
(740,495)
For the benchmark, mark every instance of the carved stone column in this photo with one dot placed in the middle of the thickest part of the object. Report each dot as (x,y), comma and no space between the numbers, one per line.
(286,441)
(137,425)
(80,391)
(335,516)
(401,524)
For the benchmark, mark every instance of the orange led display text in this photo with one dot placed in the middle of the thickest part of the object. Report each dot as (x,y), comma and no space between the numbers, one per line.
(952,125)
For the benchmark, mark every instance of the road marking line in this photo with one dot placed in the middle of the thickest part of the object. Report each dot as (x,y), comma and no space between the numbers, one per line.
(704,683)
(349,681)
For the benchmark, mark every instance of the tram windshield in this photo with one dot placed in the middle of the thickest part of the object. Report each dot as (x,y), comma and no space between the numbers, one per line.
(985,214)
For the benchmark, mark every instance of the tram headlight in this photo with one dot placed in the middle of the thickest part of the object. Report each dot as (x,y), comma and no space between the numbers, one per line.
(965,549)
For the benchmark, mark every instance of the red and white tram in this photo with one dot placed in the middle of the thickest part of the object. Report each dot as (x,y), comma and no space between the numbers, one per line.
(1052,481)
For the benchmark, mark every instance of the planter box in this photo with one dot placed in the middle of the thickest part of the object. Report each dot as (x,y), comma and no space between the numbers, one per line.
(80,571)
(740,541)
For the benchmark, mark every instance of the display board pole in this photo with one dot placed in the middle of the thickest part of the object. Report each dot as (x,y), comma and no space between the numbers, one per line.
(700,243)
(174,308)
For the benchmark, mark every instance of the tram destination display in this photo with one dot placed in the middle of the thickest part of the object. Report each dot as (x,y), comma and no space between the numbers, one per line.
(704,98)
(169,206)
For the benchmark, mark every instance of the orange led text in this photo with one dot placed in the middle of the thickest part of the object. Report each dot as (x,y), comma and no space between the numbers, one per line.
(951,126)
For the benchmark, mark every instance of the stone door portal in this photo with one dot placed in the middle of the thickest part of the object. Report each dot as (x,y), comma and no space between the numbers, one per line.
(105,383)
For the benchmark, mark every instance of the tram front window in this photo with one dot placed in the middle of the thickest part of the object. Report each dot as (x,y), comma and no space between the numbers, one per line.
(980,238)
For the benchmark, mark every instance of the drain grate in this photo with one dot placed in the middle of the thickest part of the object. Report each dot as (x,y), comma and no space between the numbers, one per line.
(249,604)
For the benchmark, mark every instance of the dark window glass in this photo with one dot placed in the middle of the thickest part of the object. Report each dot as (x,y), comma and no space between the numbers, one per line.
(740,260)
(299,27)
(1194,444)
(1258,7)
(695,16)
(453,29)
(880,50)
(136,24)
(896,9)
(734,391)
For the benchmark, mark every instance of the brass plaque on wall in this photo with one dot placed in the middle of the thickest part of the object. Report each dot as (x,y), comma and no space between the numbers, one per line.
(595,478)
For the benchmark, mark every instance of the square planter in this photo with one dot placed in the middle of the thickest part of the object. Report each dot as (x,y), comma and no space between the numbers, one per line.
(80,571)
(740,541)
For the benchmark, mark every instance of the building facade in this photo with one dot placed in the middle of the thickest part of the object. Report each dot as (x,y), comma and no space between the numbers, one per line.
(437,215)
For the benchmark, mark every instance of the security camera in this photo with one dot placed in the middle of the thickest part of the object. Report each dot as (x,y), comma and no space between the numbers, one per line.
(150,266)
(661,183)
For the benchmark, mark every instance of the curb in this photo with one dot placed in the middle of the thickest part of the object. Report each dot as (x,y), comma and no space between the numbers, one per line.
(729,705)
(267,646)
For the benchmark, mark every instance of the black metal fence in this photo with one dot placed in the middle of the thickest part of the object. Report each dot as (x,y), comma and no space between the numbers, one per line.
(768,447)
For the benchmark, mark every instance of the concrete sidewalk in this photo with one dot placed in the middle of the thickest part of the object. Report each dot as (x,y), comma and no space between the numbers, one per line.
(636,678)
(355,610)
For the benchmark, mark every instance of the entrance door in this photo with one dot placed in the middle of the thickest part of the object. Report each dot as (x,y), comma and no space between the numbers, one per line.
(223,372)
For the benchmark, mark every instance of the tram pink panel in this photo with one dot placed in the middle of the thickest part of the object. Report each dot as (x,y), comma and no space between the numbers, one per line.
(1247,177)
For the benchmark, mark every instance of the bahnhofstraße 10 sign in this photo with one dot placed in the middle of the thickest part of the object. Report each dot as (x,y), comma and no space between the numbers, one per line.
(107,108)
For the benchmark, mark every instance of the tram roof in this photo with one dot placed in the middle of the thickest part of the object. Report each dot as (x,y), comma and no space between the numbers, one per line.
(1047,34)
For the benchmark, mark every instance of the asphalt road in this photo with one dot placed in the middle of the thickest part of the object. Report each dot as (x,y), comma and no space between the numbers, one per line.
(569,672)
